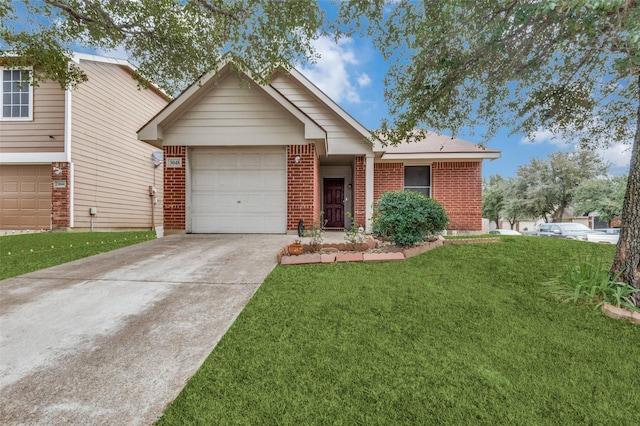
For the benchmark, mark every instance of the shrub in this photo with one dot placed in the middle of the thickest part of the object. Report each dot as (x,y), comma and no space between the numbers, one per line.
(316,233)
(408,217)
(589,282)
(354,234)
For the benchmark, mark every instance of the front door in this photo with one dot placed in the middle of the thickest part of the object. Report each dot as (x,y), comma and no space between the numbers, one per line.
(334,203)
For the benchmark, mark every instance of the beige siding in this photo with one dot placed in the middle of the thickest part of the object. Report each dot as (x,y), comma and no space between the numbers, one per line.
(112,169)
(45,133)
(234,113)
(341,137)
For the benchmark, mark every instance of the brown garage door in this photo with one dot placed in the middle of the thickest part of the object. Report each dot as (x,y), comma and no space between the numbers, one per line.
(25,197)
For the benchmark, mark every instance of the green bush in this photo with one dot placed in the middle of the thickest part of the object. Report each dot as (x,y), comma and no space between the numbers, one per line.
(589,282)
(408,217)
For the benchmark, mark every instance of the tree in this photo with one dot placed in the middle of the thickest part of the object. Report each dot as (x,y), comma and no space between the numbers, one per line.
(570,66)
(493,198)
(500,200)
(173,42)
(532,189)
(513,210)
(603,196)
(568,171)
(545,188)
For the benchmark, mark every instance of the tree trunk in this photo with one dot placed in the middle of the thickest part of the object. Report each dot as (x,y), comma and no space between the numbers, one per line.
(627,257)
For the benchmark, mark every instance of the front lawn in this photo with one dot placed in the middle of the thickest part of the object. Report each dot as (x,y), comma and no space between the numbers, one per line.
(463,334)
(24,253)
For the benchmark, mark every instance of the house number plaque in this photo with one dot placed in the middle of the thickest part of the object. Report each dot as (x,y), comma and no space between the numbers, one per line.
(174,163)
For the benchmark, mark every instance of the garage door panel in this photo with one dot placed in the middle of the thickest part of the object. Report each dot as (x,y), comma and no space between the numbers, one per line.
(272,161)
(250,161)
(28,187)
(263,181)
(238,190)
(10,203)
(28,204)
(10,187)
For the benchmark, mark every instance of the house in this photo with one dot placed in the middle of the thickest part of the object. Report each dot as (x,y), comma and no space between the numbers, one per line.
(70,159)
(247,158)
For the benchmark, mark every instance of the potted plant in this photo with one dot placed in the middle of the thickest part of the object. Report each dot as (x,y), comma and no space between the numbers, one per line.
(295,248)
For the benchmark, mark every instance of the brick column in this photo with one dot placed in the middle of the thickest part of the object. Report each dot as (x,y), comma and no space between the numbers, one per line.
(175,191)
(303,189)
(60,197)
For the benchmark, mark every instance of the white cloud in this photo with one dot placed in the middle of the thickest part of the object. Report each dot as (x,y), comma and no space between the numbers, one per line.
(618,155)
(330,73)
(364,80)
(543,136)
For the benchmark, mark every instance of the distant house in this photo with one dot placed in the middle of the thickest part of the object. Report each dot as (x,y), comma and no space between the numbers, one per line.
(248,158)
(70,159)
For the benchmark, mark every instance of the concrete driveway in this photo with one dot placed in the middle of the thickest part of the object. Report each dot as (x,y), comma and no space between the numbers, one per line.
(113,339)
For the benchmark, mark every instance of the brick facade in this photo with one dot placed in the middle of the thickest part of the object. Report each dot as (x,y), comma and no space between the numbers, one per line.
(359,194)
(61,197)
(174,202)
(458,187)
(303,186)
(387,177)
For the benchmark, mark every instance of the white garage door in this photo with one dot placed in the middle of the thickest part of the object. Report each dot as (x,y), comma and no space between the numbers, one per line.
(25,197)
(239,190)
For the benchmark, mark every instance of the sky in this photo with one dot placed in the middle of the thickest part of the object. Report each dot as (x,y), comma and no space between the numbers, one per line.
(351,72)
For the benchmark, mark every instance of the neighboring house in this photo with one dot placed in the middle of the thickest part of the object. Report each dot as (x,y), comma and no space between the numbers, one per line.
(70,159)
(246,158)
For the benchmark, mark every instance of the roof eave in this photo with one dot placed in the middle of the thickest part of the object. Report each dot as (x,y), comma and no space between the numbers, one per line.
(440,156)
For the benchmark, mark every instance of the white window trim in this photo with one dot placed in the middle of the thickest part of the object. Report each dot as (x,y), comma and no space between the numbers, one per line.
(430,187)
(30,117)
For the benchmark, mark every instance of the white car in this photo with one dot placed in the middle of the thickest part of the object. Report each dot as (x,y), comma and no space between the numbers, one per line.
(504,232)
(572,231)
(608,235)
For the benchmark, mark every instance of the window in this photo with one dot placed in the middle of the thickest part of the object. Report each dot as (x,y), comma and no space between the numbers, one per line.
(17,95)
(418,178)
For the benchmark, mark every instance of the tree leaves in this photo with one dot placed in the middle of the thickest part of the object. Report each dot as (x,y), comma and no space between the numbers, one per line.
(172,42)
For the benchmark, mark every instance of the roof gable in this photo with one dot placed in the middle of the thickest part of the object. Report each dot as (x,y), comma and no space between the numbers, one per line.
(153,130)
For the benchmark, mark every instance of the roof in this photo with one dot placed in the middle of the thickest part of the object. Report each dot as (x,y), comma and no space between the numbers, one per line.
(152,131)
(436,146)
(433,147)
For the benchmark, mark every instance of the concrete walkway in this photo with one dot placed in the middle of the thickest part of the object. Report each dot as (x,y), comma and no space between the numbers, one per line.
(113,339)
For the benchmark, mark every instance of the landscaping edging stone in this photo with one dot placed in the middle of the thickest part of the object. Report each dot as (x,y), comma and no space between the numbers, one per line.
(620,313)
(343,252)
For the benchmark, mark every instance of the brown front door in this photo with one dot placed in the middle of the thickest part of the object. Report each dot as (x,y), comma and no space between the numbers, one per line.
(334,203)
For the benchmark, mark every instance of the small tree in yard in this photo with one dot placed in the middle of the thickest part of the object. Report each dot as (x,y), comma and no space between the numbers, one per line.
(408,217)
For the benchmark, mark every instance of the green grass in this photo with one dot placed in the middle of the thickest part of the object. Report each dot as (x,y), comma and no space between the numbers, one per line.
(463,334)
(20,254)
